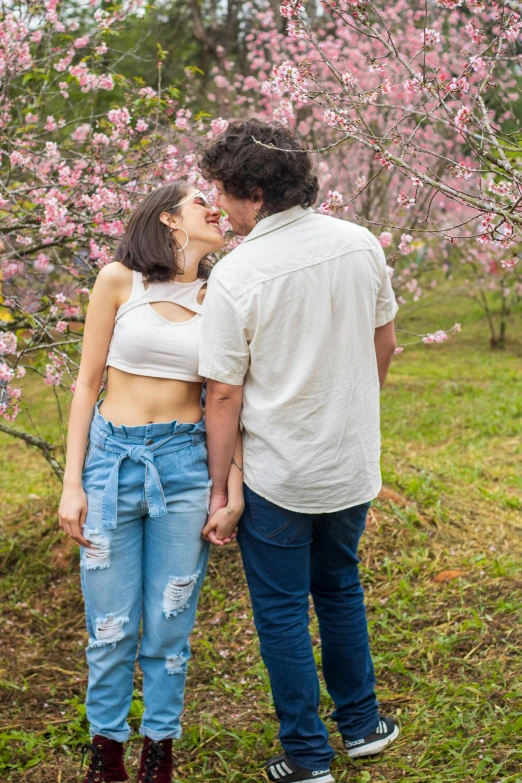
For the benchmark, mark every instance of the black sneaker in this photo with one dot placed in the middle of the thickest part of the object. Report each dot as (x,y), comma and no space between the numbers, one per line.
(373,743)
(282,769)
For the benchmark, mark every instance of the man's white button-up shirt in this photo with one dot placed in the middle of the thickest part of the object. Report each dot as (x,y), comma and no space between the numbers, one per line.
(291,315)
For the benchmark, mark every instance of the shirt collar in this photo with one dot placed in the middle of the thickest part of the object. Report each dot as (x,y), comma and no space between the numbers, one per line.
(277,221)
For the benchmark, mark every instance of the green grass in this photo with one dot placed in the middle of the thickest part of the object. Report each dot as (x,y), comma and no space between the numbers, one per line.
(446,646)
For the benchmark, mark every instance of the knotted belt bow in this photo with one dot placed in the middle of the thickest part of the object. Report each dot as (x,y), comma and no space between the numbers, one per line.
(153,490)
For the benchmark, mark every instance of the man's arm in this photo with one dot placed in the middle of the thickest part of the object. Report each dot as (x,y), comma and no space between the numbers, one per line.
(222,410)
(385,344)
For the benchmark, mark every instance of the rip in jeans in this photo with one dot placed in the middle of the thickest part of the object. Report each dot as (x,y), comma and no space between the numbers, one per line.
(109,631)
(99,555)
(177,594)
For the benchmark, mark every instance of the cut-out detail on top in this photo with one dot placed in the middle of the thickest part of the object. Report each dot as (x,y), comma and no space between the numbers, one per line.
(148,341)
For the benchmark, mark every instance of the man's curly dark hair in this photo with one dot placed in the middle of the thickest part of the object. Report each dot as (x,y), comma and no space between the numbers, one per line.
(245,168)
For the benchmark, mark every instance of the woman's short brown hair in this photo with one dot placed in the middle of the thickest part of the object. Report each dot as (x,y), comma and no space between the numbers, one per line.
(246,168)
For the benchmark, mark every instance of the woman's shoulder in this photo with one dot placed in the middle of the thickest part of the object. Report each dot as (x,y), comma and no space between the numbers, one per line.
(115,282)
(115,272)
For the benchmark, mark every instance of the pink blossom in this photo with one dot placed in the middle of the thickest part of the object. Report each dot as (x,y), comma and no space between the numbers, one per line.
(6,373)
(141,126)
(406,202)
(509,263)
(64,62)
(458,85)
(217,127)
(119,117)
(61,326)
(478,64)
(398,350)
(450,3)
(463,117)
(20,372)
(334,203)
(512,32)
(405,245)
(81,132)
(429,37)
(80,43)
(7,343)
(473,33)
(31,118)
(182,118)
(414,85)
(100,139)
(385,238)
(290,8)
(287,78)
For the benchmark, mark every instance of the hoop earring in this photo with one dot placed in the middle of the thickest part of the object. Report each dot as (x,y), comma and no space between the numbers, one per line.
(179,249)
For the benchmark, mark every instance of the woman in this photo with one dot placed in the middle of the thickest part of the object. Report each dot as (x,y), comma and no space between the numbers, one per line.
(137,501)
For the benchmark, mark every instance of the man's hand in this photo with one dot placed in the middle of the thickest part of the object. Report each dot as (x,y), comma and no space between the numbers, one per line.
(221,527)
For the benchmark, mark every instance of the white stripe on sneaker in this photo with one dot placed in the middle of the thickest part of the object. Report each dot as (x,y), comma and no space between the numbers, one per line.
(372,748)
(274,772)
(286,768)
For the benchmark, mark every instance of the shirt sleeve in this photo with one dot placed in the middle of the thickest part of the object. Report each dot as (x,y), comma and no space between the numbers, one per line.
(224,355)
(386,307)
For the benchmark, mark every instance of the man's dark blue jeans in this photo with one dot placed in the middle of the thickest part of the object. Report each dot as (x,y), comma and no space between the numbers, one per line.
(287,556)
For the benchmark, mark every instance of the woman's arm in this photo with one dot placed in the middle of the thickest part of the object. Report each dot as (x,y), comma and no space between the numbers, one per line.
(221,526)
(112,283)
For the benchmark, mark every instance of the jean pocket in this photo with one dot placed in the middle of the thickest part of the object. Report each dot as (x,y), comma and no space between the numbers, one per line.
(273,522)
(198,453)
(348,525)
(89,454)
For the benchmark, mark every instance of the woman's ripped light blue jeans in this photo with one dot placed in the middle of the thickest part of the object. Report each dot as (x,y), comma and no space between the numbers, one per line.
(147,490)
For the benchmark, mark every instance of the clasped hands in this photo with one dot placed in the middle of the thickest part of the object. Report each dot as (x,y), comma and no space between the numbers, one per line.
(223,516)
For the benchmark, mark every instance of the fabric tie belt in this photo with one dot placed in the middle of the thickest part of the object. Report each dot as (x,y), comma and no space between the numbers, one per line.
(155,499)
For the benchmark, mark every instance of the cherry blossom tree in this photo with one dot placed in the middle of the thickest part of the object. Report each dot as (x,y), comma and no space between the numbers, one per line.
(409,107)
(81,144)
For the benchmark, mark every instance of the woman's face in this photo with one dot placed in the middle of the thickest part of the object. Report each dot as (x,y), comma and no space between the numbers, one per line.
(201,221)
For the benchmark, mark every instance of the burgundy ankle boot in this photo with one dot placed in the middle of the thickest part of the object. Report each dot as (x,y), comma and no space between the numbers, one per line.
(156,762)
(106,761)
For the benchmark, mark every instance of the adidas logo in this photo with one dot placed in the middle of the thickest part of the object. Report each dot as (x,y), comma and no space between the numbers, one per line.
(354,743)
(320,772)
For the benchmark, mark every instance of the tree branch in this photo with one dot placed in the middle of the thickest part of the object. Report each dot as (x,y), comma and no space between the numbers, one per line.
(42,445)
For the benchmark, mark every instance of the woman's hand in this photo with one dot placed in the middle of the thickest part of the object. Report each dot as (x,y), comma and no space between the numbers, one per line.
(72,513)
(221,527)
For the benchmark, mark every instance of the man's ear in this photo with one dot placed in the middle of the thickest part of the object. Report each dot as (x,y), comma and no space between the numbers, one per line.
(257,198)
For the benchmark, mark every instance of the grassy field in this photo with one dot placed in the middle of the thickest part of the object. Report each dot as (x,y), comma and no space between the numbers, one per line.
(441,567)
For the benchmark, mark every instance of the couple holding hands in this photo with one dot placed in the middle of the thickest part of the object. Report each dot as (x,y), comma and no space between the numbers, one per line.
(293,333)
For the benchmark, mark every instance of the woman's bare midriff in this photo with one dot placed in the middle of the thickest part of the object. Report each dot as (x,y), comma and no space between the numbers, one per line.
(135,399)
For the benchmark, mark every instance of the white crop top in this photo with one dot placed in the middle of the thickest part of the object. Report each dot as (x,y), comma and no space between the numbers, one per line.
(145,343)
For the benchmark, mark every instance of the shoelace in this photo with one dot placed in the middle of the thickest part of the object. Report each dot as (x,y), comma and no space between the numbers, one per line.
(155,754)
(96,765)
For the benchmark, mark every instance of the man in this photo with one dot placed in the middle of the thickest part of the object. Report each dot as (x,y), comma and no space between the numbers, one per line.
(297,335)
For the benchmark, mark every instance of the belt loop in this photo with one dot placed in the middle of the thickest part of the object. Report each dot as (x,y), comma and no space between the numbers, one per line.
(98,437)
